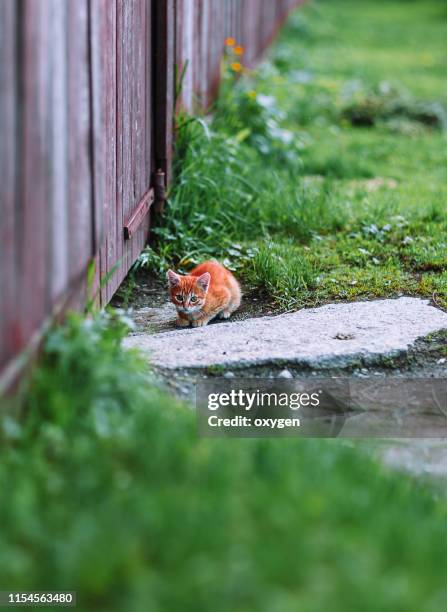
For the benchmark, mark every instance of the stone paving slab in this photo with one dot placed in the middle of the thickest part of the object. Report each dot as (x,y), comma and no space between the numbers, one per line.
(335,335)
(155,319)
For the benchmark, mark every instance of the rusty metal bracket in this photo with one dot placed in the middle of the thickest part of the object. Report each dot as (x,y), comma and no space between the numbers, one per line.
(138,216)
(159,190)
(154,195)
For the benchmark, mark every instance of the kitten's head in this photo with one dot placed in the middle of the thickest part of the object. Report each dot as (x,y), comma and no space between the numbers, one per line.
(188,293)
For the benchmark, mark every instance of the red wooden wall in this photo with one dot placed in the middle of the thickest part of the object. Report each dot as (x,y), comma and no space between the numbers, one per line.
(86,104)
(201,29)
(46,183)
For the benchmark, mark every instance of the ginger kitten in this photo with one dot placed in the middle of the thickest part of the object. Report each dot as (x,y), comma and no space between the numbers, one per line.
(208,291)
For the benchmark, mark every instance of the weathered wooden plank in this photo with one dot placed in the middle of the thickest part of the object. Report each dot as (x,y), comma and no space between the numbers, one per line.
(8,179)
(140,98)
(164,61)
(122,132)
(127,136)
(187,52)
(96,30)
(58,151)
(251,26)
(97,27)
(150,122)
(134,40)
(218,47)
(32,204)
(111,249)
(80,232)
(197,59)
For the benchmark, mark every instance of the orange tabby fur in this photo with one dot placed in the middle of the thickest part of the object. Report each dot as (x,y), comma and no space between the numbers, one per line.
(210,290)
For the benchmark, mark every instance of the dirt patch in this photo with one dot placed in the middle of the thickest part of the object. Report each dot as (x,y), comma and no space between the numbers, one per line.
(140,290)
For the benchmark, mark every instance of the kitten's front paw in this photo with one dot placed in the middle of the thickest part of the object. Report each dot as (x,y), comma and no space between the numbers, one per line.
(182,322)
(200,322)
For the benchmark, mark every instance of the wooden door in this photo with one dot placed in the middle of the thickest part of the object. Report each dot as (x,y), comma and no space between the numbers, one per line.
(127,144)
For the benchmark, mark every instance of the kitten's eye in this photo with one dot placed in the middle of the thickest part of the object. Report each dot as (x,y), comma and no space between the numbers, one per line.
(179,297)
(193,299)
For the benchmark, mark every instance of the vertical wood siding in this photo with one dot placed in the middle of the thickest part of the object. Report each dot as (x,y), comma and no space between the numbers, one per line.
(203,25)
(86,106)
(45,149)
(8,182)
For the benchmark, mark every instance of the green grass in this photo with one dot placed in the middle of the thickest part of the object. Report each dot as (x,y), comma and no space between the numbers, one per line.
(106,490)
(339,134)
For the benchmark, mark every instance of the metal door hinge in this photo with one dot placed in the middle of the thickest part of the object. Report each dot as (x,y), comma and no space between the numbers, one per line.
(154,195)
(139,214)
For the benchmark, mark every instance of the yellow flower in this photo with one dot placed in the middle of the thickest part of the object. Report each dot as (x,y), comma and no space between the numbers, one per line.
(239,50)
(236,66)
(230,42)
(251,94)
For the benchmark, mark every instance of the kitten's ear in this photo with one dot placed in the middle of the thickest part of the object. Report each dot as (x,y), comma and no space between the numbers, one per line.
(173,278)
(204,281)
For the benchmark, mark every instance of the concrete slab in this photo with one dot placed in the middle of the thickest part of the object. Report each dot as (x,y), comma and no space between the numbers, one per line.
(152,319)
(335,335)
